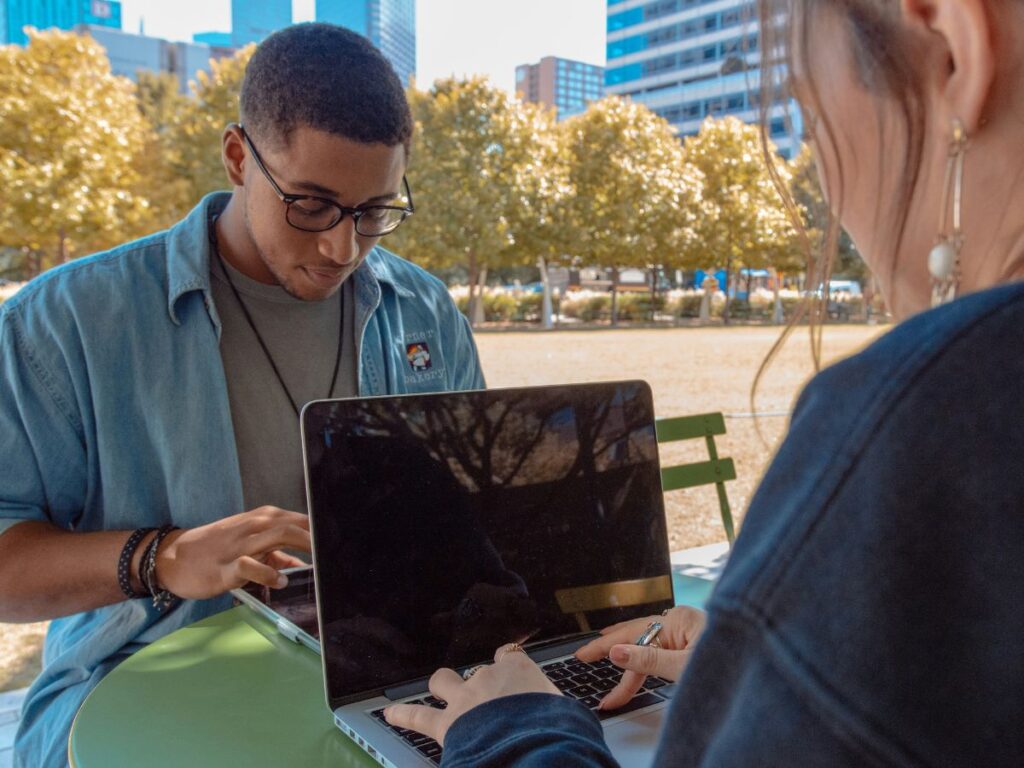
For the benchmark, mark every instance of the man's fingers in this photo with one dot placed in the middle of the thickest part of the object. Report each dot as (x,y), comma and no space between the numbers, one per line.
(279,560)
(648,660)
(250,569)
(262,518)
(630,683)
(415,717)
(444,683)
(278,537)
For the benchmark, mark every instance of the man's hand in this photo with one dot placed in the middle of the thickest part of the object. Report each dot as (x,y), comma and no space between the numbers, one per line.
(682,626)
(207,561)
(513,672)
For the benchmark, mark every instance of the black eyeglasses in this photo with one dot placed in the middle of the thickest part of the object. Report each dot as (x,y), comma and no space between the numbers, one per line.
(318,214)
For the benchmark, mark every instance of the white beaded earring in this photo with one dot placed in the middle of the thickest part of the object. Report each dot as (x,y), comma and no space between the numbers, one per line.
(944,258)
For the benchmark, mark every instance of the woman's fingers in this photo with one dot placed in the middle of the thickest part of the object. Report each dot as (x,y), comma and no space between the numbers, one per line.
(620,695)
(648,660)
(445,683)
(416,717)
(626,632)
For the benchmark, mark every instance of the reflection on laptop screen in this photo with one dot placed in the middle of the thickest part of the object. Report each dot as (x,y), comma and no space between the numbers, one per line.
(446,525)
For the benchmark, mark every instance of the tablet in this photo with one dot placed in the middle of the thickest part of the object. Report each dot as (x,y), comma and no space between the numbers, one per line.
(292,609)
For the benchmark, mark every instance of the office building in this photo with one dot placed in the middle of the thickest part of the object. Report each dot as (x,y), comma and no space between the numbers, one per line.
(129,53)
(15,15)
(566,85)
(254,20)
(389,24)
(688,59)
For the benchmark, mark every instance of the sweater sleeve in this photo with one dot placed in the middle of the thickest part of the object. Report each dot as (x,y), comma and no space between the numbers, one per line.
(527,731)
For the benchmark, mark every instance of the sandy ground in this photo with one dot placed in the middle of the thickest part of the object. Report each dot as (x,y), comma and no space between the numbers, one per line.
(691,370)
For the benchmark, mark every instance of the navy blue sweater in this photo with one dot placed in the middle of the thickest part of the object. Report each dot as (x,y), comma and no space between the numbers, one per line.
(872,612)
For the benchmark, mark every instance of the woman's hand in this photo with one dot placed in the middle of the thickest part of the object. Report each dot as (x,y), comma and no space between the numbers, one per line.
(512,672)
(681,628)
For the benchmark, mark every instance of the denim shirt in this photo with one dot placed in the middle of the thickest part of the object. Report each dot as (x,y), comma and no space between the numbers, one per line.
(872,611)
(114,415)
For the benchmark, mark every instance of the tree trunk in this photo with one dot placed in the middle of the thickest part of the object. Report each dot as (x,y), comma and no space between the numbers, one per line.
(62,251)
(35,264)
(779,317)
(545,309)
(471,307)
(654,293)
(615,296)
(727,287)
(478,312)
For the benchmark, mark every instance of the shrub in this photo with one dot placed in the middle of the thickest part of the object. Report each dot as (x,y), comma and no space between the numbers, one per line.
(529,307)
(638,306)
(687,304)
(499,307)
(592,308)
(739,309)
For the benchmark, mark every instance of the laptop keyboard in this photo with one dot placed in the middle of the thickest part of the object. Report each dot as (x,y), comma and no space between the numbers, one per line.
(587,682)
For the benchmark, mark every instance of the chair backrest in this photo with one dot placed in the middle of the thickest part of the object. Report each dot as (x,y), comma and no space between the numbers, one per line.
(615,594)
(715,471)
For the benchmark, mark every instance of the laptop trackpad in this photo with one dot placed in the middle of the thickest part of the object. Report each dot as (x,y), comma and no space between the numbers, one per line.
(633,740)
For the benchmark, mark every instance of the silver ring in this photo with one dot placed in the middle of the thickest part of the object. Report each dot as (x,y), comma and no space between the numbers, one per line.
(472,671)
(649,637)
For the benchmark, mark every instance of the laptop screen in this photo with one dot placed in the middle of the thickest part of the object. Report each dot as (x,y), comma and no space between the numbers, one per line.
(445,525)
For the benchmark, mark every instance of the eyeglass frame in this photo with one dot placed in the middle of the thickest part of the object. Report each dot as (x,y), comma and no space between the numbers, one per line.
(355,213)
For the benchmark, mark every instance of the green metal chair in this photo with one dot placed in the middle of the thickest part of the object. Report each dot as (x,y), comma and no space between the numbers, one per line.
(715,471)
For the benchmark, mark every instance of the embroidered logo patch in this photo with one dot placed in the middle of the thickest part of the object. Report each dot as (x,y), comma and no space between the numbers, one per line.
(418,355)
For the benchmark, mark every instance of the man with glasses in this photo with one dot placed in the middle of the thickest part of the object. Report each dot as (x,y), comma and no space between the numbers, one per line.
(151,394)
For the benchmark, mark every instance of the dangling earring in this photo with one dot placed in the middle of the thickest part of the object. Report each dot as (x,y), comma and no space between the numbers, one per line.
(944,259)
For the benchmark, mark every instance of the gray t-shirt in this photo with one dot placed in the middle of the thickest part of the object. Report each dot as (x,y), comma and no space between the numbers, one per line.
(302,337)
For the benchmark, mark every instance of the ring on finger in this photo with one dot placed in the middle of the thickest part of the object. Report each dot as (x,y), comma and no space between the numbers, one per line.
(472,671)
(505,650)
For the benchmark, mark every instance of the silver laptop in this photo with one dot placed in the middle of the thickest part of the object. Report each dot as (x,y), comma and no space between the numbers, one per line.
(446,525)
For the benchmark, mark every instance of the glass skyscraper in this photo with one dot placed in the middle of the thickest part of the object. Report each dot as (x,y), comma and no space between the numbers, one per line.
(15,15)
(687,59)
(252,21)
(389,24)
(566,85)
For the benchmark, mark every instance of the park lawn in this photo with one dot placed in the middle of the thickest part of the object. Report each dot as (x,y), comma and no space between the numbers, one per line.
(691,370)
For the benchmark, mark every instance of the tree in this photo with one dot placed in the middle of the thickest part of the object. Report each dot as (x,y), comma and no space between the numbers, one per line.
(477,167)
(807,194)
(743,221)
(163,106)
(193,141)
(71,142)
(632,193)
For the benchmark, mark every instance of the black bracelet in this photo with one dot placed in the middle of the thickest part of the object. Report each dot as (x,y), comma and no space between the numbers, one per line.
(124,563)
(144,575)
(162,598)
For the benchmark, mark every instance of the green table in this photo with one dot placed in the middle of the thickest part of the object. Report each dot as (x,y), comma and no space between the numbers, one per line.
(228,690)
(225,691)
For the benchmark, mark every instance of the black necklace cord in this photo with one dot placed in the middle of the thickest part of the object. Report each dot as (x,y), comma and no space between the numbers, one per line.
(256,333)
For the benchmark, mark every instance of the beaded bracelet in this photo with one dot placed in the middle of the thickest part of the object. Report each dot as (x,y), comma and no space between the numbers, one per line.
(162,598)
(124,563)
